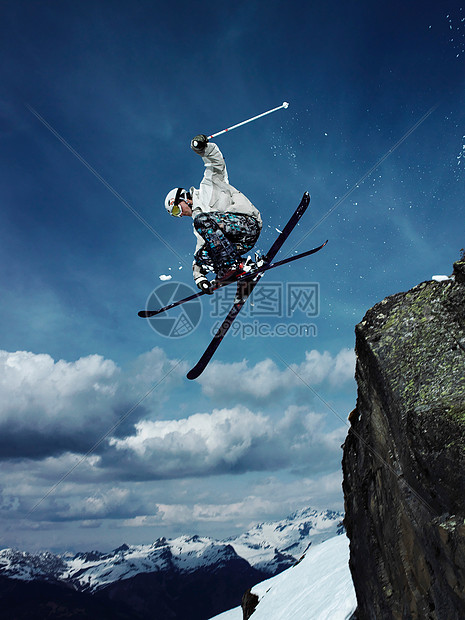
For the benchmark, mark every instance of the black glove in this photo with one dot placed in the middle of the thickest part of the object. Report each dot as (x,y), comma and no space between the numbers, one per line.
(199,143)
(205,286)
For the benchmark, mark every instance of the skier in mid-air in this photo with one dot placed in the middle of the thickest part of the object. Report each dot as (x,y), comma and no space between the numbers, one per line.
(226,223)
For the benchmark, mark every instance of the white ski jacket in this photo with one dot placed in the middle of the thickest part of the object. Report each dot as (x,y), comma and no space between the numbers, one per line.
(215,193)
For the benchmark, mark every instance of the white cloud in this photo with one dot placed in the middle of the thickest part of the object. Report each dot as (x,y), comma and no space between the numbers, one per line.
(36,387)
(344,367)
(270,499)
(259,381)
(200,443)
(47,407)
(232,440)
(319,367)
(111,502)
(265,380)
(151,472)
(220,513)
(50,407)
(185,515)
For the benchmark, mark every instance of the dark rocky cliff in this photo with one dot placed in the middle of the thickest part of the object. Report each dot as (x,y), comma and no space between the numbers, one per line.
(404,456)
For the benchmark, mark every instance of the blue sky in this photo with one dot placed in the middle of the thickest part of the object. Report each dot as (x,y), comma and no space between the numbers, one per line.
(103,438)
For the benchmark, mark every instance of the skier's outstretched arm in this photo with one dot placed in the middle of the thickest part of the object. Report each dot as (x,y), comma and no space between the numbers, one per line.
(215,166)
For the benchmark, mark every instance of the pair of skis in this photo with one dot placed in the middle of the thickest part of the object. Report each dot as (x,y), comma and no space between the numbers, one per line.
(246,283)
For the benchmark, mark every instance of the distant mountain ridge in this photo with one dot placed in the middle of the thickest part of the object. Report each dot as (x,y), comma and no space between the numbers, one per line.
(196,575)
(269,547)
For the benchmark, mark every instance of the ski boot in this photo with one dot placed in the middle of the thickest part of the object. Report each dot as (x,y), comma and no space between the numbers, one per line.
(229,273)
(251,264)
(244,287)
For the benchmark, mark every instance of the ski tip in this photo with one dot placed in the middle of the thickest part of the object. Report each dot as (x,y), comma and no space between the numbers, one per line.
(193,373)
(305,199)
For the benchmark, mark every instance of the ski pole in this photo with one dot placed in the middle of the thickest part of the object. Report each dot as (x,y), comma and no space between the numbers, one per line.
(284,105)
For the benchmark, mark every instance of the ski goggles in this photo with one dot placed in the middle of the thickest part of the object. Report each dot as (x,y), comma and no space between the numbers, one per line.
(176,210)
(181,195)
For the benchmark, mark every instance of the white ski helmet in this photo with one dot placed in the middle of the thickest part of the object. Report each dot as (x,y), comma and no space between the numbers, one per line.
(173,199)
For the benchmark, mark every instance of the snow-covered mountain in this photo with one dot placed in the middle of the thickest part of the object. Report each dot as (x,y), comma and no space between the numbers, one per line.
(180,555)
(275,545)
(28,566)
(268,547)
(317,588)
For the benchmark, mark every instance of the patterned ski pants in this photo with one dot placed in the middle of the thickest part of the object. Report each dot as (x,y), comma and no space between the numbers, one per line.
(227,236)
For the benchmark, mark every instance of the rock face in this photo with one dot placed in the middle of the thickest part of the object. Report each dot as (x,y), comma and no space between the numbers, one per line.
(249,604)
(404,456)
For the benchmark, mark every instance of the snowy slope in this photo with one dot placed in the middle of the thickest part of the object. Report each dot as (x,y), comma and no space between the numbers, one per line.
(317,588)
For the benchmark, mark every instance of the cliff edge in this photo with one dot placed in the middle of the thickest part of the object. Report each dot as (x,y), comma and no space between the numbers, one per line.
(404,456)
